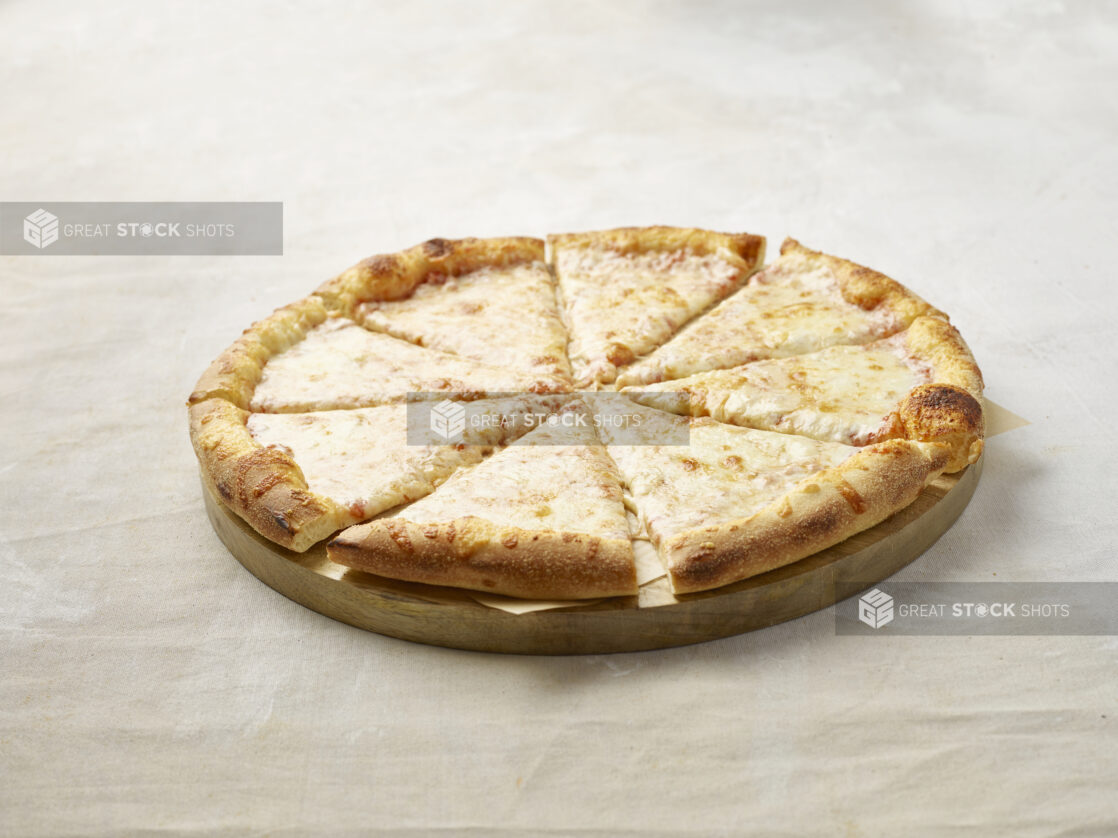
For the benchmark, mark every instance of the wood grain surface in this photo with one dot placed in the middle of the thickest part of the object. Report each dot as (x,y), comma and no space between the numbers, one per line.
(449,617)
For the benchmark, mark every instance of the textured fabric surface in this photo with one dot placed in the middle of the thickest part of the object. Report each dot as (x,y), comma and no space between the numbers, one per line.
(151,684)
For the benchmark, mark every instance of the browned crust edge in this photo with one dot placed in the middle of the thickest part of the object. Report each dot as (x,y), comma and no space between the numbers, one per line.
(747,247)
(745,250)
(263,485)
(820,511)
(392,276)
(938,344)
(866,288)
(234,374)
(480,555)
(947,410)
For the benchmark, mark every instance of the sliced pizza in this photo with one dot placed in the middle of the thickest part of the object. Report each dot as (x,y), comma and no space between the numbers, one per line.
(305,359)
(543,518)
(234,374)
(504,315)
(922,384)
(299,477)
(624,292)
(736,502)
(395,276)
(760,419)
(803,302)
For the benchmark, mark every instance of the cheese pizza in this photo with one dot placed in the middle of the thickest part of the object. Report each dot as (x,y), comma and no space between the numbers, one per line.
(770,412)
(626,291)
(543,518)
(459,296)
(736,502)
(803,302)
(298,477)
(922,383)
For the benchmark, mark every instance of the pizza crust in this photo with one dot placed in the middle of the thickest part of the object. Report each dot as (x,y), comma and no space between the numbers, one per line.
(935,342)
(848,394)
(948,415)
(820,511)
(746,247)
(615,313)
(948,409)
(480,555)
(234,374)
(393,276)
(864,287)
(544,518)
(264,486)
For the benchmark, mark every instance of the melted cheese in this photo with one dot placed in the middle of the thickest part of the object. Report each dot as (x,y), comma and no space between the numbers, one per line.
(724,474)
(846,394)
(341,365)
(361,458)
(789,309)
(619,306)
(552,479)
(505,317)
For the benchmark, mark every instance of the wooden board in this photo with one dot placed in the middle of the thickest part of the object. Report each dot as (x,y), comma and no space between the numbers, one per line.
(447,617)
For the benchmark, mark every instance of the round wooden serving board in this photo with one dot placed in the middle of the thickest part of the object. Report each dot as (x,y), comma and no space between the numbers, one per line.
(449,617)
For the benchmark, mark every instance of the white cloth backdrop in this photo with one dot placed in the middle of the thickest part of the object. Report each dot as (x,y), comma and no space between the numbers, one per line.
(150,683)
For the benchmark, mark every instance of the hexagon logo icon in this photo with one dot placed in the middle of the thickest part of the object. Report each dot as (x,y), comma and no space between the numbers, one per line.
(448,420)
(875,609)
(40,228)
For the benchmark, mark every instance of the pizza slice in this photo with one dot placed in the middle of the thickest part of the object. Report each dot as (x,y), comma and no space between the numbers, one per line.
(736,502)
(540,519)
(296,478)
(922,384)
(303,358)
(803,302)
(624,292)
(492,300)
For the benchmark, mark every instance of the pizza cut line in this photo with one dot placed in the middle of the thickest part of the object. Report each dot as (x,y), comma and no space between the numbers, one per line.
(448,295)
(817,398)
(541,518)
(920,384)
(626,291)
(802,302)
(736,502)
(297,478)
